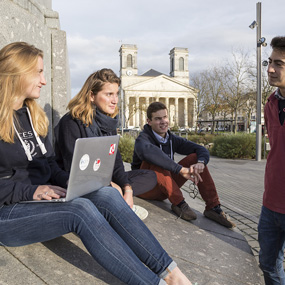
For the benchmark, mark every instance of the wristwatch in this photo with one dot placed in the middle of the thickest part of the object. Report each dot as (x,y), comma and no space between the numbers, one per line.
(201,161)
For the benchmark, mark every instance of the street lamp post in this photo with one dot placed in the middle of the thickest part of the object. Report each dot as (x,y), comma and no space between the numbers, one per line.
(258,87)
(260,42)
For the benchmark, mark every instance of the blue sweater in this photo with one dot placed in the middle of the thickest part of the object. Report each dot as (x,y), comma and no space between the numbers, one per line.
(149,149)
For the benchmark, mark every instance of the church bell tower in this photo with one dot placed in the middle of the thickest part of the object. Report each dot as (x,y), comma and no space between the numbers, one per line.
(179,64)
(128,60)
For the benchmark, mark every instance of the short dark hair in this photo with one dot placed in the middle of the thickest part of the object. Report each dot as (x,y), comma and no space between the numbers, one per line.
(278,43)
(154,107)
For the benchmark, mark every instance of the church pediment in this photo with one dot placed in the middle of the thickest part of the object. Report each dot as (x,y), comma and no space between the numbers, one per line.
(159,83)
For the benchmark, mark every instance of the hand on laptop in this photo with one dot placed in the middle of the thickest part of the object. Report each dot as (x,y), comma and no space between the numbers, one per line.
(49,192)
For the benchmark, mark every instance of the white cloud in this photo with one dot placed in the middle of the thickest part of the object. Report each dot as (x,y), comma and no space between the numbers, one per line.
(209,29)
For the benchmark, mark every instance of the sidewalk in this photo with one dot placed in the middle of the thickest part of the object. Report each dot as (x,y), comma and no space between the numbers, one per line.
(206,252)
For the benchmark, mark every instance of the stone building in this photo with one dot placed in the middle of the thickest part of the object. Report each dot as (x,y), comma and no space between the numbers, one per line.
(35,22)
(138,91)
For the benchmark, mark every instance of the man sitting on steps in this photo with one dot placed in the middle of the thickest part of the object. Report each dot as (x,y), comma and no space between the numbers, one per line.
(155,148)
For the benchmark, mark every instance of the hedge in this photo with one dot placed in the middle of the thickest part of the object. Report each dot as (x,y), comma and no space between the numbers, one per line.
(239,145)
(126,148)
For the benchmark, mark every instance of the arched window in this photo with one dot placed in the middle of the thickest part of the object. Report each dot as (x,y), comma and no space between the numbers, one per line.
(172,65)
(129,60)
(181,63)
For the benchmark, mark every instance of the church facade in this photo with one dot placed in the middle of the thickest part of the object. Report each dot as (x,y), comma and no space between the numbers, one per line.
(138,91)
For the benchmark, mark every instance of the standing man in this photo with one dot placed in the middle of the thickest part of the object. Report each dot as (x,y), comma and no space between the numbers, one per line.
(271,228)
(155,148)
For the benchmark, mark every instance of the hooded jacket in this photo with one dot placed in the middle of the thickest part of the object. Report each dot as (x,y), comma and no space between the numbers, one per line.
(149,149)
(274,180)
(19,177)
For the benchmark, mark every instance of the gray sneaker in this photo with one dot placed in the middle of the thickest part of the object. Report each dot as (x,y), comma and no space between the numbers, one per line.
(184,212)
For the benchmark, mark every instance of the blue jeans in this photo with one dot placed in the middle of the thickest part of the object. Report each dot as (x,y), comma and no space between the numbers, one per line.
(271,237)
(116,238)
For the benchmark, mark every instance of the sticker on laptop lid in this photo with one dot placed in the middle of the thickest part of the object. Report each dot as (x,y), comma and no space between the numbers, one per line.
(84,162)
(112,149)
(97,164)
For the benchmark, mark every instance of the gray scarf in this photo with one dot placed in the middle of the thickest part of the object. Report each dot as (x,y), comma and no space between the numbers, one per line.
(102,125)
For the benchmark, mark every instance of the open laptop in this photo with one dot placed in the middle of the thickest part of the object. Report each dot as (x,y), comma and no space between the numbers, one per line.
(92,166)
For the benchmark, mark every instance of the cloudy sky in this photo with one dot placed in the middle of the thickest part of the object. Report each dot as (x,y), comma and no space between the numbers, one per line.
(210,29)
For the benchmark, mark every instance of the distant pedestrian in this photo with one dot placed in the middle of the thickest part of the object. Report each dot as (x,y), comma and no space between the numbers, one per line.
(271,228)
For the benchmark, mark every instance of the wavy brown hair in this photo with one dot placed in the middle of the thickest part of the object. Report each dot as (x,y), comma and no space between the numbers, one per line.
(18,63)
(81,106)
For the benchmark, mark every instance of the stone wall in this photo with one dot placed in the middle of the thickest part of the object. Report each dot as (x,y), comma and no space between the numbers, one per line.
(34,22)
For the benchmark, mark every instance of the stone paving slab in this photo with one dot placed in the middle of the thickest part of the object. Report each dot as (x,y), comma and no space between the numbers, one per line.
(13,271)
(60,261)
(240,183)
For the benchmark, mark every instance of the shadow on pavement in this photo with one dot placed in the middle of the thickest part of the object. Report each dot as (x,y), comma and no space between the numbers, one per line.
(73,254)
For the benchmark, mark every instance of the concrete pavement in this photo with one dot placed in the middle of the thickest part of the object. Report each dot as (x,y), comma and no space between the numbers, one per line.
(240,185)
(205,251)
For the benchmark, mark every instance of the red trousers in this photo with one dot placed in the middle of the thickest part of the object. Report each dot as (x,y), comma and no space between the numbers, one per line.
(168,184)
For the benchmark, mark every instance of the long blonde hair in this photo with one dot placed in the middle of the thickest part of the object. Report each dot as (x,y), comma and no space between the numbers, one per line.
(81,106)
(18,62)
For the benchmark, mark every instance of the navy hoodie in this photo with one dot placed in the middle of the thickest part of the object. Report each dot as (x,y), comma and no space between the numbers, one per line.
(19,177)
(149,149)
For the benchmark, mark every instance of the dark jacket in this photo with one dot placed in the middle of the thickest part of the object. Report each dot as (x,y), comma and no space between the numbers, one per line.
(274,179)
(19,177)
(149,149)
(69,130)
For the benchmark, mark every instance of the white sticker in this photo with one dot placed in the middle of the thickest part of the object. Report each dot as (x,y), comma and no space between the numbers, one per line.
(97,164)
(84,162)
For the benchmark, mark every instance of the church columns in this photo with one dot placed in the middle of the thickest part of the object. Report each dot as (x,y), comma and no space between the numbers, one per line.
(176,111)
(180,110)
(167,103)
(186,113)
(146,106)
(137,112)
(127,108)
(147,101)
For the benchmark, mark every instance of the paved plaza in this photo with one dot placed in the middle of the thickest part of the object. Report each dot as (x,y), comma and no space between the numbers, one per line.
(208,253)
(240,185)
